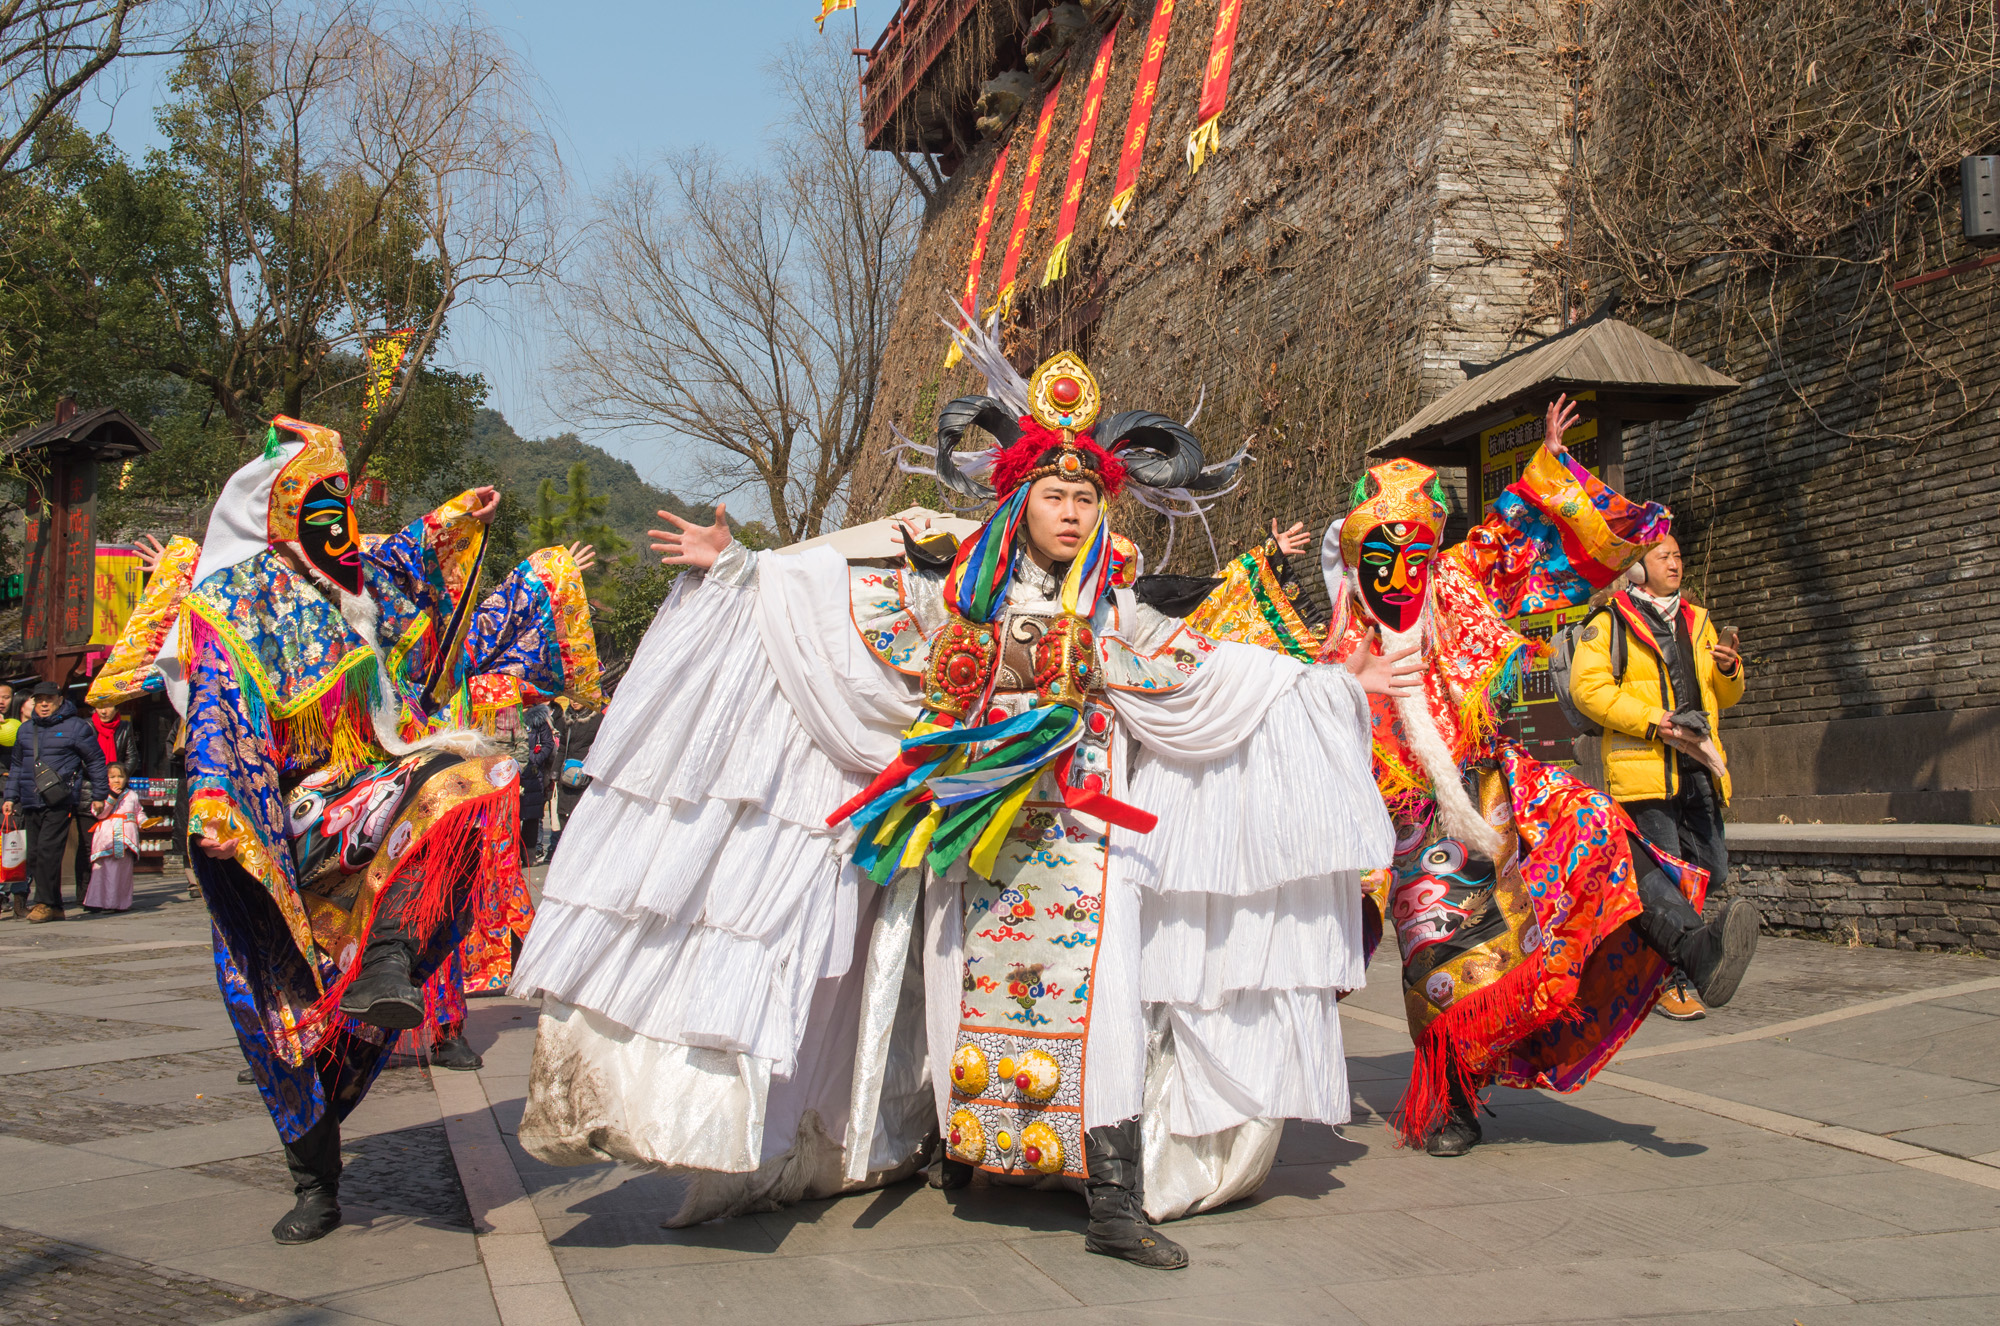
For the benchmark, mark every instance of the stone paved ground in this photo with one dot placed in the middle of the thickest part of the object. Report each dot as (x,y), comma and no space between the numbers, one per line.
(1825,1152)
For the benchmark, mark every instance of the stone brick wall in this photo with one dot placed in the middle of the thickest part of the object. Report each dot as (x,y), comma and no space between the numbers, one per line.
(1387,173)
(1385,205)
(1924,903)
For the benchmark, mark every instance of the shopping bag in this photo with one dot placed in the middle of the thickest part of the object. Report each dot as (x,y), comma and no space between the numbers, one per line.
(13,856)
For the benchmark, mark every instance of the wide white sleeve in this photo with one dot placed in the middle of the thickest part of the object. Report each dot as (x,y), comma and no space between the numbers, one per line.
(1249,889)
(698,894)
(1258,768)
(852,705)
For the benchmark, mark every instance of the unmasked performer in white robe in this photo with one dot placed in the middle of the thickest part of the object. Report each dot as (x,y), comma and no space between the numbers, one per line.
(979,845)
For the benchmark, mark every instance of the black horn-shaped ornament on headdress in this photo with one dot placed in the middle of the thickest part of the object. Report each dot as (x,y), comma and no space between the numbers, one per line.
(953,421)
(1159,452)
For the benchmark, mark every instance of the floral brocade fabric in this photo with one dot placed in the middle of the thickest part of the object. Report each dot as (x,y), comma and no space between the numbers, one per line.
(1257,603)
(285,765)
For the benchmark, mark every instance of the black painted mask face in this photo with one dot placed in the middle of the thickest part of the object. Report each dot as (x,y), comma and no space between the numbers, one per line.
(326,532)
(1395,569)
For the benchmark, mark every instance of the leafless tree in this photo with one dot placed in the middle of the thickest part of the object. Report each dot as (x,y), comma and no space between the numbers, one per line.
(364,166)
(50,49)
(744,314)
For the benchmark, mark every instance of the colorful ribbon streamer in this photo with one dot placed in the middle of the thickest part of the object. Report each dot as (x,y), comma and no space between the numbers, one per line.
(1079,159)
(1141,117)
(1025,208)
(1207,136)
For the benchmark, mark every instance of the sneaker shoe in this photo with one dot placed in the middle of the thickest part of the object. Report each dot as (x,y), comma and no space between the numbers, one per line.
(1680,1003)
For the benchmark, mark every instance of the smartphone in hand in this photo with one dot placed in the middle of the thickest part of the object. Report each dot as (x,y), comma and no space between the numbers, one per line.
(1732,638)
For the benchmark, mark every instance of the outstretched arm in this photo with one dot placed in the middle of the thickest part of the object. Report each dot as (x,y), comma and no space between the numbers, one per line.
(1557,534)
(689,544)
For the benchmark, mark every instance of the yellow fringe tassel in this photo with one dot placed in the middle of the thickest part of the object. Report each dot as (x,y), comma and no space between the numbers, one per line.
(954,355)
(1058,262)
(1114,216)
(1203,142)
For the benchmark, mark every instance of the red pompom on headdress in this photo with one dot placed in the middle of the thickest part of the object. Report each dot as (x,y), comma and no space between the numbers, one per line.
(1041,452)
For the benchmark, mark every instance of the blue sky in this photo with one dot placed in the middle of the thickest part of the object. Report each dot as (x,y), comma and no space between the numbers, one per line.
(623,80)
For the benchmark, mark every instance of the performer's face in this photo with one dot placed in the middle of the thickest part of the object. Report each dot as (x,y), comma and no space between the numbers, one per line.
(1395,568)
(326,532)
(1059,517)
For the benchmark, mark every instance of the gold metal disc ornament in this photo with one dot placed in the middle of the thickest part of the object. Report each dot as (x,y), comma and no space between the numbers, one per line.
(1062,394)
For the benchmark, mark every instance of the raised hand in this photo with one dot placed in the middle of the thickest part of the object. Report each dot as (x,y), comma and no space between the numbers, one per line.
(689,544)
(1293,541)
(489,505)
(1394,675)
(584,555)
(908,532)
(151,550)
(216,849)
(1563,416)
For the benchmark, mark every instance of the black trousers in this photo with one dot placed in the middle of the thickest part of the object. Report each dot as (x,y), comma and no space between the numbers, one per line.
(48,835)
(1688,825)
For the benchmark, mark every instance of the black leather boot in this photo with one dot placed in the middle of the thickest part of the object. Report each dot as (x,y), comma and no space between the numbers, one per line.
(1460,1132)
(946,1173)
(454,1052)
(1117,1197)
(314,1161)
(1716,955)
(382,994)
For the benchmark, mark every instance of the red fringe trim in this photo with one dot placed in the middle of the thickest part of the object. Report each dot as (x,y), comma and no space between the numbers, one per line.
(1484,1021)
(449,852)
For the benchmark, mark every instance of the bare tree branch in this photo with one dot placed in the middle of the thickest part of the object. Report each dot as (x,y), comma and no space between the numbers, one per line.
(745,316)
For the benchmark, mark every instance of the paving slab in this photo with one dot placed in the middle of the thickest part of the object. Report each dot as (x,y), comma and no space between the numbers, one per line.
(988,1280)
(1962,1263)
(445,1298)
(1579,1291)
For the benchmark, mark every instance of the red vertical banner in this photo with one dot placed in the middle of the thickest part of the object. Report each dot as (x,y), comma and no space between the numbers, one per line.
(968,302)
(1079,158)
(1140,119)
(1207,135)
(1025,208)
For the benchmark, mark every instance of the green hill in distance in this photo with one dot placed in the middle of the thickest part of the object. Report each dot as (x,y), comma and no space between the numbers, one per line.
(520,465)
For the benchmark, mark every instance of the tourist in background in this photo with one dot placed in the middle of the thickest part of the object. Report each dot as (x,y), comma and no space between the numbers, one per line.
(537,772)
(57,776)
(13,868)
(1652,670)
(114,846)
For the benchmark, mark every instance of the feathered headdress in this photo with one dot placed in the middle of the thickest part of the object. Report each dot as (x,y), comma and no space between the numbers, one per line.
(1048,425)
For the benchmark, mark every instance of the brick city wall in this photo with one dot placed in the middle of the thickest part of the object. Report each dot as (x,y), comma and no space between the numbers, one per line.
(1386,175)
(1924,903)
(1385,204)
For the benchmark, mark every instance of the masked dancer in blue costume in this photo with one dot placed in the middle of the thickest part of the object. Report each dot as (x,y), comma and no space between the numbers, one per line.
(340,812)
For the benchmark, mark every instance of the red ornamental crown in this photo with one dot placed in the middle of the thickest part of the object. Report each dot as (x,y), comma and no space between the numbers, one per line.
(1043,452)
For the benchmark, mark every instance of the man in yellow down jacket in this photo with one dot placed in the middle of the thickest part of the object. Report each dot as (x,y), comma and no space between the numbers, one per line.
(1652,671)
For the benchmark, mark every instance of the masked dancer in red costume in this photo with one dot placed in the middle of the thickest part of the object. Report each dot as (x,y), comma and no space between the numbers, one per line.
(1536,927)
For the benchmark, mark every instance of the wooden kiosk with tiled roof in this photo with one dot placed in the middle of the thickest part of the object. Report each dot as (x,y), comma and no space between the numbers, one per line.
(1491,425)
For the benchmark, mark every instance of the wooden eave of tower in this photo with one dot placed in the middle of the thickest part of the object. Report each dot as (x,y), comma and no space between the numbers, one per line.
(1635,377)
(102,434)
(904,63)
